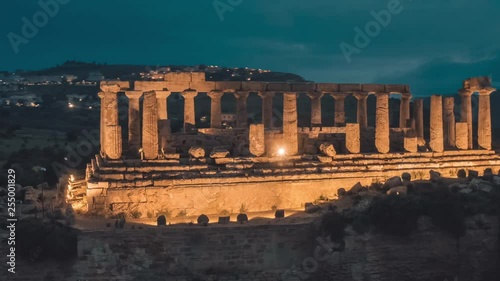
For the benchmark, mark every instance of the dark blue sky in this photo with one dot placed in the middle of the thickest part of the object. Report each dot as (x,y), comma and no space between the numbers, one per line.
(430,44)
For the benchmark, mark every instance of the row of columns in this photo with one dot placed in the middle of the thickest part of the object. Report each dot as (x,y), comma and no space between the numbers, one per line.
(156,128)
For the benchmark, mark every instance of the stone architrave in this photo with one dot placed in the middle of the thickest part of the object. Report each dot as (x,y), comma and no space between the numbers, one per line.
(382,127)
(134,120)
(267,108)
(150,126)
(466,113)
(410,141)
(419,120)
(216,109)
(404,110)
(315,108)
(436,128)
(484,119)
(449,121)
(290,122)
(339,108)
(163,122)
(189,110)
(353,138)
(257,140)
(241,108)
(113,142)
(362,113)
(462,135)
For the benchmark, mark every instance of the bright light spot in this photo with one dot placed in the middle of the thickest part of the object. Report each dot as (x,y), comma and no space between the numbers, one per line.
(70,105)
(281,151)
(72,178)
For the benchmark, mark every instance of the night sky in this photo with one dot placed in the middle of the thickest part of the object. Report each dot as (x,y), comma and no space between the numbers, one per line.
(430,44)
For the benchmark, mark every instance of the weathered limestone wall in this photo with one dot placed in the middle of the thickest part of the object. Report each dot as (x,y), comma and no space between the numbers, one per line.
(269,252)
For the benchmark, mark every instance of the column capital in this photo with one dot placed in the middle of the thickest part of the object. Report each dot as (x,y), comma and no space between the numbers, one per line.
(114,88)
(163,94)
(265,94)
(315,95)
(189,94)
(406,95)
(241,94)
(360,95)
(339,96)
(100,95)
(215,94)
(382,94)
(290,93)
(133,94)
(486,91)
(465,92)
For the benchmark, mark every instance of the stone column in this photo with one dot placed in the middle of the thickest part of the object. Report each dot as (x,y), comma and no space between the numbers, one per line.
(404,110)
(189,110)
(382,126)
(113,142)
(163,122)
(462,135)
(134,121)
(484,119)
(150,126)
(110,104)
(241,108)
(449,121)
(466,112)
(215,109)
(257,143)
(339,108)
(315,108)
(267,109)
(436,128)
(362,108)
(418,106)
(290,122)
(102,125)
(353,138)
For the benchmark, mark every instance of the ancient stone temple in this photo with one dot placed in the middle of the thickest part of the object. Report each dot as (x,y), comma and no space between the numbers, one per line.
(264,165)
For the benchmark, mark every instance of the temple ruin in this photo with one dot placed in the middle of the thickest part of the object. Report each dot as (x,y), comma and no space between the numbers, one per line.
(258,167)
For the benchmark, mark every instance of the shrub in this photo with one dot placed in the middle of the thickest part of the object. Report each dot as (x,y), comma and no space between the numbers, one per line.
(182,214)
(394,215)
(361,224)
(136,214)
(333,225)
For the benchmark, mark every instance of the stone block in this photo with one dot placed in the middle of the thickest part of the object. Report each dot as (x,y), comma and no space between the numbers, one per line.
(347,88)
(324,159)
(197,152)
(397,89)
(303,87)
(219,152)
(279,87)
(327,87)
(327,149)
(253,86)
(228,86)
(147,86)
(374,88)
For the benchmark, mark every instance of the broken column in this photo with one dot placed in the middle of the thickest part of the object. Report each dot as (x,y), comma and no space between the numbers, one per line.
(418,106)
(484,119)
(189,110)
(449,121)
(410,141)
(362,108)
(315,108)
(436,127)
(150,126)
(110,104)
(241,109)
(257,140)
(216,109)
(382,127)
(339,108)
(404,110)
(290,130)
(462,135)
(466,113)
(267,108)
(163,122)
(353,138)
(134,121)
